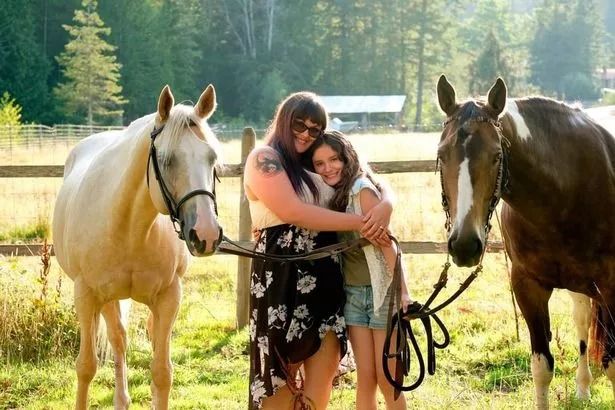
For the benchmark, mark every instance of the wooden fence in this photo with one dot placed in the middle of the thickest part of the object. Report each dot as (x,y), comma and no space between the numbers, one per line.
(245,223)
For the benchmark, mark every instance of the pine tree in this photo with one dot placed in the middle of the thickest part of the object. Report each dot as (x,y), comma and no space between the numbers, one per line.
(489,65)
(90,69)
(23,67)
(564,51)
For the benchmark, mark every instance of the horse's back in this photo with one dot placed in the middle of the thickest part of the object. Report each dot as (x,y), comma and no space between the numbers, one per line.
(82,155)
(76,170)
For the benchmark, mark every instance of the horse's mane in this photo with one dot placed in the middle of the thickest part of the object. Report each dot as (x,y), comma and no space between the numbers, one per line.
(545,104)
(552,115)
(180,117)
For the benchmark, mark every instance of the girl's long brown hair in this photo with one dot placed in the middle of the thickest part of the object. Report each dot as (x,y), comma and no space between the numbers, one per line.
(303,105)
(353,166)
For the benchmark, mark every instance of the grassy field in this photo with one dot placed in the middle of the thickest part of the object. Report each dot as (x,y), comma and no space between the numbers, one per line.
(485,367)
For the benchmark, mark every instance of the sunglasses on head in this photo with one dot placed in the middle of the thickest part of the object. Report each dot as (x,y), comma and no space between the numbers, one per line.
(299,126)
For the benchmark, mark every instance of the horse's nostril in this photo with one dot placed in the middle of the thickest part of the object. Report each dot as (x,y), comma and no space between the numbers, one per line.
(198,244)
(478,246)
(219,240)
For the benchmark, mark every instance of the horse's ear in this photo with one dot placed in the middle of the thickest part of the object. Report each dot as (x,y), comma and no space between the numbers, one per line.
(446,96)
(207,103)
(496,99)
(165,103)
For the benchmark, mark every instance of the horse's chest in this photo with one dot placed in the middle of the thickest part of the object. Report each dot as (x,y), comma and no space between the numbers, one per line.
(141,282)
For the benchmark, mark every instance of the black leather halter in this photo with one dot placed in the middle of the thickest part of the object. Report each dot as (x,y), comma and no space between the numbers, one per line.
(172,206)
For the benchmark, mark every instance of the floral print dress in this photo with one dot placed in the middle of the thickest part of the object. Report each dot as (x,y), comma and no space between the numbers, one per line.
(292,306)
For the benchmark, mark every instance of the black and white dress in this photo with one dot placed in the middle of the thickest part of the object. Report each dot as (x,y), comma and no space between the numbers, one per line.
(292,305)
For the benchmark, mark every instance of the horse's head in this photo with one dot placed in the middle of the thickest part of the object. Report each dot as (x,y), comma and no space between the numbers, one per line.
(183,156)
(470,157)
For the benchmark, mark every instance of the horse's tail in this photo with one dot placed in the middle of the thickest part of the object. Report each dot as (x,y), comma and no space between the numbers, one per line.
(103,347)
(597,334)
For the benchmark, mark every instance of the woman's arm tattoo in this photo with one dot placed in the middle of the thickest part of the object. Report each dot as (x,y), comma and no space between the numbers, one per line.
(268,163)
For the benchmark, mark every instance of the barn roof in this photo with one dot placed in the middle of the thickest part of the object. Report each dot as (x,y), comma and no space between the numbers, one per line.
(352,104)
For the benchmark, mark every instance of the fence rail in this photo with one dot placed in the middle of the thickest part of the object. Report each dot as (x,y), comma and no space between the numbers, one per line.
(12,135)
(231,170)
(408,247)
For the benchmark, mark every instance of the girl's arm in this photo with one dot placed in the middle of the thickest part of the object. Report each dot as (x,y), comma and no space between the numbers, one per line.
(369,201)
(265,179)
(380,214)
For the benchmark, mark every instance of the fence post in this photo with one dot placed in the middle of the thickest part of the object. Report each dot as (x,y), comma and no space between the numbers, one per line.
(248,140)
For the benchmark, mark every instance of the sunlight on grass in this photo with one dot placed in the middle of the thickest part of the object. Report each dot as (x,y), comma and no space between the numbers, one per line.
(485,367)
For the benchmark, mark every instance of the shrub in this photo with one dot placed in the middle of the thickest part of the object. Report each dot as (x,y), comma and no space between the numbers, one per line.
(35,324)
(10,111)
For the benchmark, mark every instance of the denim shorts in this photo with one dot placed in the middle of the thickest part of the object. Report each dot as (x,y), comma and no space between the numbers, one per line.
(359,308)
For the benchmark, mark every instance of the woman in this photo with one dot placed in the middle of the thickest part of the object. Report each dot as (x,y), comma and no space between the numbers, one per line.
(296,309)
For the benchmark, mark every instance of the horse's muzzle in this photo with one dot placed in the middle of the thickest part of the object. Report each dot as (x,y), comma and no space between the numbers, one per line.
(198,247)
(465,250)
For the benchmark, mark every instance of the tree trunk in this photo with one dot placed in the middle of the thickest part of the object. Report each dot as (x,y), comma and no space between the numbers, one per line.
(402,45)
(420,75)
(270,14)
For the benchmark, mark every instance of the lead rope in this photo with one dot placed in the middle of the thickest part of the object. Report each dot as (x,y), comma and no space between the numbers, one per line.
(400,322)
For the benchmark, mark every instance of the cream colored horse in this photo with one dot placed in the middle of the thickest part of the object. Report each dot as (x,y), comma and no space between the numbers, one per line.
(113,238)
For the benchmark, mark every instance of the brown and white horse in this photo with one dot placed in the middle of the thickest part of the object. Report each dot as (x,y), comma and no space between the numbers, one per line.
(554,167)
(113,238)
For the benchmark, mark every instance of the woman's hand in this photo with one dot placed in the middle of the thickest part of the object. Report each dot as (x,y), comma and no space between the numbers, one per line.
(380,238)
(405,300)
(256,234)
(376,220)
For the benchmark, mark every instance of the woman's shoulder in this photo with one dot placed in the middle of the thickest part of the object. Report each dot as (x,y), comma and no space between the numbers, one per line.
(264,159)
(264,151)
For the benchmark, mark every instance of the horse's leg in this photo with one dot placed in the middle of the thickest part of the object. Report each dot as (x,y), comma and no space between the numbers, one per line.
(117,337)
(607,320)
(581,312)
(164,311)
(533,301)
(88,314)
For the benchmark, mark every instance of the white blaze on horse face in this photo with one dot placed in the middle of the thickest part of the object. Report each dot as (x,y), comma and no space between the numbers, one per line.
(465,192)
(522,130)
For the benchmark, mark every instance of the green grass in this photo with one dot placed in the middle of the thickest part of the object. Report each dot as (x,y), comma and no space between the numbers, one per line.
(485,367)
(34,231)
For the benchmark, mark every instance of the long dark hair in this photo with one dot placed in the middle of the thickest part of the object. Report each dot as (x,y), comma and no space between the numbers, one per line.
(303,105)
(353,166)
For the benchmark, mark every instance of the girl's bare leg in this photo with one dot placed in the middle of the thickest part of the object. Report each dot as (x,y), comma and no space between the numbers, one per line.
(363,348)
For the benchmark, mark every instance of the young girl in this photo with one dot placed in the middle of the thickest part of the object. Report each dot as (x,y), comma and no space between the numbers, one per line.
(368,272)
